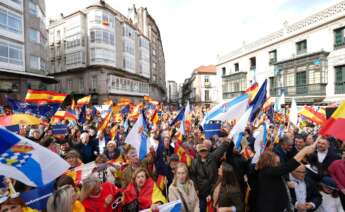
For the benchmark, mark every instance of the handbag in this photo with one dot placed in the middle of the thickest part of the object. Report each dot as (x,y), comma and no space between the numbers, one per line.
(131,207)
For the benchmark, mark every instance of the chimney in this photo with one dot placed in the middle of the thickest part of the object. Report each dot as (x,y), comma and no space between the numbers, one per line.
(61,15)
(102,2)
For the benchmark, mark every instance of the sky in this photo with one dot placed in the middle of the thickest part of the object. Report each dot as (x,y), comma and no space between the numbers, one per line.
(194,32)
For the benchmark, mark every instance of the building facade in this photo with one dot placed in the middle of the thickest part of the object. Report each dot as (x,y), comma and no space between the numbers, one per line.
(304,60)
(147,25)
(99,51)
(201,87)
(23,47)
(172,92)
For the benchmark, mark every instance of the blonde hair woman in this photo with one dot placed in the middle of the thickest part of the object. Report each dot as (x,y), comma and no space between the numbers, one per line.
(182,188)
(62,200)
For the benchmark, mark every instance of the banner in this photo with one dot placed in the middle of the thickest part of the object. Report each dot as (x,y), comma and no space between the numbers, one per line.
(37,198)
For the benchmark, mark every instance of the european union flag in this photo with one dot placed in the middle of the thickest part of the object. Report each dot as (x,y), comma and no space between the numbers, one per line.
(46,110)
(59,129)
(125,110)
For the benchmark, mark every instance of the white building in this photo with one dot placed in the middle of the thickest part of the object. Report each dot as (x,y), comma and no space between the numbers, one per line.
(99,51)
(305,60)
(172,92)
(23,47)
(201,87)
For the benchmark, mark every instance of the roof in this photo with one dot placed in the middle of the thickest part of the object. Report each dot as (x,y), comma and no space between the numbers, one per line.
(210,69)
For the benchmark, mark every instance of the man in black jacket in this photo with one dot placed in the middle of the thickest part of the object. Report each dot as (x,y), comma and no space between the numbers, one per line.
(204,171)
(303,192)
(321,159)
(283,148)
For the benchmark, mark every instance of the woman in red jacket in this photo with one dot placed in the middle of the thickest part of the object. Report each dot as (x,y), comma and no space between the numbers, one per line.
(97,196)
(142,193)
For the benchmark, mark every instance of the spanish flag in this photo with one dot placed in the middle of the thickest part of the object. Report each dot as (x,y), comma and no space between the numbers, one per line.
(155,118)
(84,101)
(38,96)
(162,182)
(62,115)
(105,122)
(334,126)
(182,153)
(252,91)
(149,194)
(312,115)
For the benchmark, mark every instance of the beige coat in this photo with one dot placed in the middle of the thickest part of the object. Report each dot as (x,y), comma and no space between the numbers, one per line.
(190,197)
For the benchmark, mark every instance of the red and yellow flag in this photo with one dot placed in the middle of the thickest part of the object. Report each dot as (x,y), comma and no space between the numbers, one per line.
(155,118)
(252,91)
(62,115)
(105,122)
(84,101)
(182,153)
(38,96)
(312,115)
(148,195)
(162,182)
(334,126)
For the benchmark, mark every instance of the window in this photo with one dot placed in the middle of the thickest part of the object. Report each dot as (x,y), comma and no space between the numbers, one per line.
(72,41)
(34,36)
(34,62)
(252,63)
(207,95)
(33,8)
(301,47)
(340,79)
(58,35)
(102,55)
(129,46)
(207,79)
(237,67)
(128,31)
(17,1)
(81,84)
(74,58)
(94,82)
(10,53)
(10,22)
(101,17)
(102,36)
(69,84)
(301,82)
(223,71)
(273,57)
(143,42)
(339,40)
(129,63)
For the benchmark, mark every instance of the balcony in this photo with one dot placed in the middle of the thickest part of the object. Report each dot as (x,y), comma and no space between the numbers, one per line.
(305,90)
(339,45)
(230,95)
(339,88)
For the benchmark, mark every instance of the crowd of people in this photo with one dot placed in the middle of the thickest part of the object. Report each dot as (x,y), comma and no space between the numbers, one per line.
(298,170)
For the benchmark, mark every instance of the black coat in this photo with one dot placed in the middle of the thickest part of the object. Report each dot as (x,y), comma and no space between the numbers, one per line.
(204,174)
(271,188)
(313,195)
(322,168)
(283,156)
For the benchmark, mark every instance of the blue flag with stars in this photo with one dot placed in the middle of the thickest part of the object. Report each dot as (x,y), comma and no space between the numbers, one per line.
(46,110)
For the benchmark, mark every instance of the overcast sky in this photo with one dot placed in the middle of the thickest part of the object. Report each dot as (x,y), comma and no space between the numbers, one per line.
(194,32)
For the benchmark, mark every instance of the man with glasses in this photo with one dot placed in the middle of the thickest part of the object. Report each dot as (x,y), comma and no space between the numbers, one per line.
(303,192)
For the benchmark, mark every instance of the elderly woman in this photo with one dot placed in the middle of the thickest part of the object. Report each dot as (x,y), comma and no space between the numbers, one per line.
(142,193)
(111,151)
(182,188)
(97,196)
(73,158)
